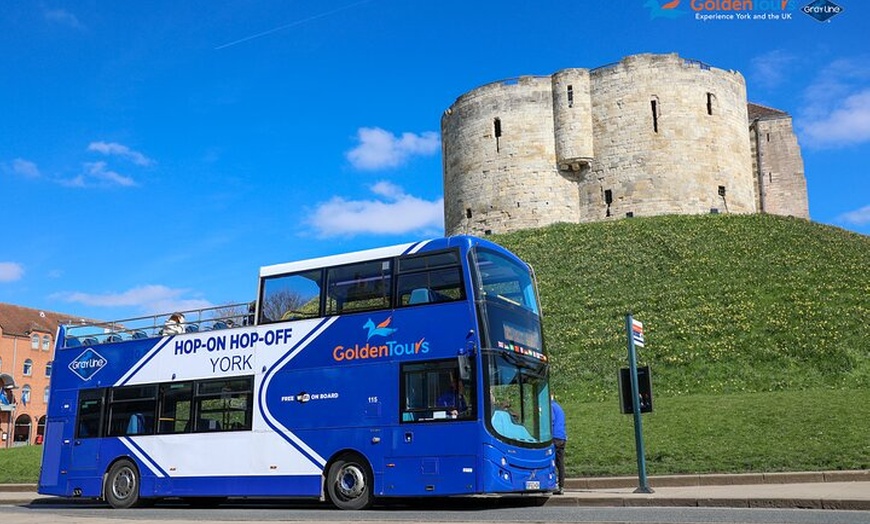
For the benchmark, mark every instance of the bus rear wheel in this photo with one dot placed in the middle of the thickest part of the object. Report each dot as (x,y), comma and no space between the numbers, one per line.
(122,485)
(349,483)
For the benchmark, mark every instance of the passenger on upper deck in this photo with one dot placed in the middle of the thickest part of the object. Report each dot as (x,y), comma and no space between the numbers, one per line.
(174,325)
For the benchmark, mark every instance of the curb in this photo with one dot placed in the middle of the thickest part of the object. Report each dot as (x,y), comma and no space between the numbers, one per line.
(772,503)
(680,481)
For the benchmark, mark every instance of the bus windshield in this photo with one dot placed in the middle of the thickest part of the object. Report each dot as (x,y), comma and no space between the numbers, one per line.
(506,281)
(518,408)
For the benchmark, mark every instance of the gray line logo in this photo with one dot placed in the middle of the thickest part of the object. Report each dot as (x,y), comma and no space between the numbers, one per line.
(87,364)
(822,10)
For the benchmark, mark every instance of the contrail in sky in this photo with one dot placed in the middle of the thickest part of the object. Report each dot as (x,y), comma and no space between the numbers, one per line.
(291,24)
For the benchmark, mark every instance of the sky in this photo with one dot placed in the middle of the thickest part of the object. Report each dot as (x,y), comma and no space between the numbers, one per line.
(154,155)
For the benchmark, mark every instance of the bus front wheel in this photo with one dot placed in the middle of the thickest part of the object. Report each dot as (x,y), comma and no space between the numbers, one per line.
(349,483)
(122,485)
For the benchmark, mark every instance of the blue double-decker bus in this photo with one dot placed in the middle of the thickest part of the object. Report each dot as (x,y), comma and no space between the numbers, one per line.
(406,371)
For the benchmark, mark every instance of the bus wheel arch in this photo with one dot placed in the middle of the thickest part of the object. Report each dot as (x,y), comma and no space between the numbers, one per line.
(349,481)
(122,483)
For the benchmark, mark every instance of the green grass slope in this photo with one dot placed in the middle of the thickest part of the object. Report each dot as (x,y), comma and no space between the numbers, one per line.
(757,333)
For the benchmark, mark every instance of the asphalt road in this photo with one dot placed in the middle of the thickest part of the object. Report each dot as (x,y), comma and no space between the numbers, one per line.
(435,513)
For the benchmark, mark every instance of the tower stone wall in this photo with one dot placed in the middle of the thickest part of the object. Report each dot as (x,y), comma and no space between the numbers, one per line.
(776,161)
(649,135)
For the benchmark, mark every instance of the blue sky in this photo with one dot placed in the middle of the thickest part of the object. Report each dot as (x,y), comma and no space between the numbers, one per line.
(153,155)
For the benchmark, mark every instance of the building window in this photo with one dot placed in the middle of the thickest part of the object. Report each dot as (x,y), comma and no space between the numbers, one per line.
(34,342)
(45,396)
(28,367)
(570,96)
(1,364)
(654,105)
(25,395)
(46,342)
(496,127)
(48,370)
(711,102)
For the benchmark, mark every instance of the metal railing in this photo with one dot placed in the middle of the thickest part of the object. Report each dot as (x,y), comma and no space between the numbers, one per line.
(194,320)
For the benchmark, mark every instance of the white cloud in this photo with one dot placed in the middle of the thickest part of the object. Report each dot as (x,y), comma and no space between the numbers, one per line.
(770,69)
(25,168)
(846,124)
(97,174)
(115,149)
(11,271)
(835,109)
(387,190)
(149,299)
(61,16)
(379,149)
(858,217)
(394,213)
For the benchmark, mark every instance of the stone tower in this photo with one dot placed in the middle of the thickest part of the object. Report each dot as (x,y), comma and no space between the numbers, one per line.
(781,188)
(650,135)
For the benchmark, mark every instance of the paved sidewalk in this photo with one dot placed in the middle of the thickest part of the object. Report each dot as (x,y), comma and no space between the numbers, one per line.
(845,490)
(815,490)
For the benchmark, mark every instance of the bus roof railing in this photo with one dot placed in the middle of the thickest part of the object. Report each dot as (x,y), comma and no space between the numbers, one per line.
(89,333)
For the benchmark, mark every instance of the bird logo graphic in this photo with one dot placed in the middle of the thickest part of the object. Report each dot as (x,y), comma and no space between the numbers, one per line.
(381,330)
(666,10)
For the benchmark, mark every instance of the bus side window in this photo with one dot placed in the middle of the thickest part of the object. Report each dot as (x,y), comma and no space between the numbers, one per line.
(175,407)
(290,297)
(432,391)
(359,287)
(131,410)
(429,278)
(224,404)
(90,413)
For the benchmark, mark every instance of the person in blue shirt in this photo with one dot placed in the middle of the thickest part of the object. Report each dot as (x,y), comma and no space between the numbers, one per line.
(560,436)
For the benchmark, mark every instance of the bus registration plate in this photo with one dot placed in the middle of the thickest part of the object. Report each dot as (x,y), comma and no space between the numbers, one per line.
(533,484)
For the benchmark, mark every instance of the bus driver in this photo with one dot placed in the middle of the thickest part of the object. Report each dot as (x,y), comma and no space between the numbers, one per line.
(453,397)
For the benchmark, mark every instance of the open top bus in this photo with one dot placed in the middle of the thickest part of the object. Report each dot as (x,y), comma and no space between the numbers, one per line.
(406,371)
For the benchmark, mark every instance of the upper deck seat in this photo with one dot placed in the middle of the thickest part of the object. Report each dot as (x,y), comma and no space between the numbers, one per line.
(420,296)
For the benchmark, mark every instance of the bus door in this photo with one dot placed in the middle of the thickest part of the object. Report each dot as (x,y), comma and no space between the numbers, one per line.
(58,444)
(85,442)
(55,453)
